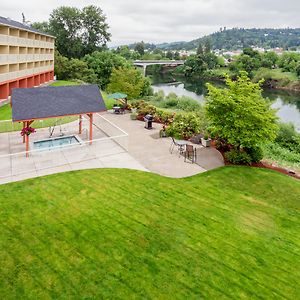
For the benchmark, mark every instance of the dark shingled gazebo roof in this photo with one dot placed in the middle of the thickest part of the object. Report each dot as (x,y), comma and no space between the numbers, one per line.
(50,102)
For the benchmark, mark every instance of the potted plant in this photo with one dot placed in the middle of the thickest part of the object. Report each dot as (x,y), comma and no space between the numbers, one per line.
(27,131)
(205,141)
(163,132)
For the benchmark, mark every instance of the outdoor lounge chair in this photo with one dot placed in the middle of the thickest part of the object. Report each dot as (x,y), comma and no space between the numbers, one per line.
(190,153)
(179,144)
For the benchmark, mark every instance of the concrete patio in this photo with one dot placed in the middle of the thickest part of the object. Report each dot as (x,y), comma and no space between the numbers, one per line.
(153,152)
(141,150)
(107,151)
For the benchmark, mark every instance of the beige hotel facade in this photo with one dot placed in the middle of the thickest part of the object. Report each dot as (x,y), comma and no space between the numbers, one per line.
(26,57)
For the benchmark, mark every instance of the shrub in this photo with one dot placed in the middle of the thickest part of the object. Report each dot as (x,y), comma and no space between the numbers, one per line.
(184,125)
(159,96)
(164,117)
(256,154)
(288,138)
(146,109)
(188,104)
(170,103)
(237,157)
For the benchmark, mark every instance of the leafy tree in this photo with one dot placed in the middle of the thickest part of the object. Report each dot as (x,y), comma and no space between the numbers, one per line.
(211,60)
(200,50)
(239,114)
(289,61)
(195,65)
(78,69)
(60,66)
(42,27)
(125,52)
(297,69)
(269,60)
(169,55)
(66,69)
(78,32)
(102,63)
(140,48)
(95,33)
(65,22)
(207,46)
(176,55)
(248,61)
(129,81)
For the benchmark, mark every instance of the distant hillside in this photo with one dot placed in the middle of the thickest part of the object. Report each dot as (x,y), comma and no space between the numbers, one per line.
(238,38)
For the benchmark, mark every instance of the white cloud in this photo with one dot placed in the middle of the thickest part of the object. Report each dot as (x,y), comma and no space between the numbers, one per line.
(169,20)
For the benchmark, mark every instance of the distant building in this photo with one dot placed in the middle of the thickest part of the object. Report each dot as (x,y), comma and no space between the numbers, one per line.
(26,57)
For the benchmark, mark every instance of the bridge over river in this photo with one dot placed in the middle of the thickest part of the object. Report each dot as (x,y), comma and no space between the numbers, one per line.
(168,63)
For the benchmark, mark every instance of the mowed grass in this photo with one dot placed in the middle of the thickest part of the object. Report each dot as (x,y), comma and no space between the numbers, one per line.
(232,233)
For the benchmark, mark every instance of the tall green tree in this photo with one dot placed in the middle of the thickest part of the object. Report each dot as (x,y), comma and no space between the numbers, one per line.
(65,23)
(239,114)
(129,81)
(207,46)
(102,63)
(78,32)
(169,55)
(200,50)
(42,27)
(95,33)
(140,48)
(70,69)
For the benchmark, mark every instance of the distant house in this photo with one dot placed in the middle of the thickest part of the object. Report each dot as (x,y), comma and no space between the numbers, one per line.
(26,57)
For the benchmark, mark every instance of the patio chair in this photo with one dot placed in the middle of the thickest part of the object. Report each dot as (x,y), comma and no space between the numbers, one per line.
(179,144)
(190,153)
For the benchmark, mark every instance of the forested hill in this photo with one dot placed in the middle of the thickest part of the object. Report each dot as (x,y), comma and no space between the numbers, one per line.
(239,38)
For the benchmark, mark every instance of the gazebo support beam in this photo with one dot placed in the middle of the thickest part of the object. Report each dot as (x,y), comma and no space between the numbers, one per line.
(24,125)
(80,124)
(27,141)
(27,124)
(91,128)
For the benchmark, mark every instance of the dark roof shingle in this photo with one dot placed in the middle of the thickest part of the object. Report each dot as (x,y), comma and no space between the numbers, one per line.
(47,102)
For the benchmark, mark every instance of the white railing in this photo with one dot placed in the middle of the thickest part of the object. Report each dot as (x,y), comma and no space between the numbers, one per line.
(109,142)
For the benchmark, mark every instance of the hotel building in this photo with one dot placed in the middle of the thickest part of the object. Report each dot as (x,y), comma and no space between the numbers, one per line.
(26,57)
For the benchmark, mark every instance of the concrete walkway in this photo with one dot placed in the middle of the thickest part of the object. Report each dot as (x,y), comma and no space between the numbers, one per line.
(153,152)
(141,150)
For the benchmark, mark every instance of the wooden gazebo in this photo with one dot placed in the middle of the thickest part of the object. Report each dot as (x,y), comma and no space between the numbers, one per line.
(31,104)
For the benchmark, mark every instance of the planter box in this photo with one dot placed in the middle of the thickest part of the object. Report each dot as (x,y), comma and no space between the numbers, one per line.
(205,143)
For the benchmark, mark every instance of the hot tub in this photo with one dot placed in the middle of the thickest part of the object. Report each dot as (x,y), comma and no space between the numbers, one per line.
(57,142)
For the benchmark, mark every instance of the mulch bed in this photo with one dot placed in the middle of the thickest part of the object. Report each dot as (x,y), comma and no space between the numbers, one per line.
(263,165)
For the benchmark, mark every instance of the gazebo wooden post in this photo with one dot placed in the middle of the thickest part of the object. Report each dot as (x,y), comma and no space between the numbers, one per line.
(24,125)
(27,140)
(80,124)
(91,128)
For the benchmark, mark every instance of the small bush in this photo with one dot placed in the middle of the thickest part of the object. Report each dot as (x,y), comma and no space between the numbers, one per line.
(238,157)
(164,117)
(188,104)
(146,109)
(185,125)
(170,103)
(288,137)
(255,153)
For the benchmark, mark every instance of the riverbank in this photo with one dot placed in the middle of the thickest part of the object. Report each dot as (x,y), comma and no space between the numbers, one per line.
(273,78)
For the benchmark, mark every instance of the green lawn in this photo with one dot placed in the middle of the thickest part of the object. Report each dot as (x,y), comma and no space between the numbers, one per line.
(118,234)
(5,112)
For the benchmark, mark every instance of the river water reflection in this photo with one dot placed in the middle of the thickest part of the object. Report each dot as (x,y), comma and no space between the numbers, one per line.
(287,103)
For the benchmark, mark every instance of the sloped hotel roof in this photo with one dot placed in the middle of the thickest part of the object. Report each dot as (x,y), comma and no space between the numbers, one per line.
(19,25)
(49,102)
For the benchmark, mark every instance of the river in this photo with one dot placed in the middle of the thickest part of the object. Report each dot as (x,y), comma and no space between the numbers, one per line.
(287,103)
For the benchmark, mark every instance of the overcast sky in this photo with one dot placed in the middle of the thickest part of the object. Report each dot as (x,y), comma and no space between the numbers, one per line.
(168,20)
